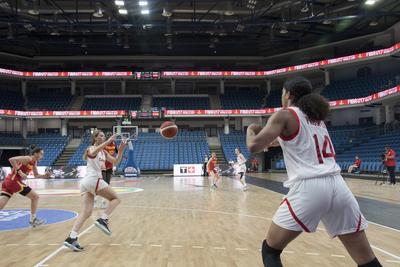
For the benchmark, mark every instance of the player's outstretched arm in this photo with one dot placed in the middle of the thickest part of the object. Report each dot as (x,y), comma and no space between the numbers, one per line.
(93,150)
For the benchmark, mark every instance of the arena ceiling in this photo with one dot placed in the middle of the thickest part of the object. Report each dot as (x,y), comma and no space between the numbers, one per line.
(39,28)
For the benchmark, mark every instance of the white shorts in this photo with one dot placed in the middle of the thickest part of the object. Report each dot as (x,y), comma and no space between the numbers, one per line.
(327,199)
(92,185)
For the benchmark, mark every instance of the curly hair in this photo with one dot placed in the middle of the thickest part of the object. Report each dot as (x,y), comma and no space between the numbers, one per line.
(315,106)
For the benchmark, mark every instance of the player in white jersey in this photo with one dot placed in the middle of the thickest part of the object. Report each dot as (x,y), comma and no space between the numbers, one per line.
(317,192)
(93,184)
(241,162)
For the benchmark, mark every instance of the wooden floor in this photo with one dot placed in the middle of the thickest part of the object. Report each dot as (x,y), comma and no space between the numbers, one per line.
(179,222)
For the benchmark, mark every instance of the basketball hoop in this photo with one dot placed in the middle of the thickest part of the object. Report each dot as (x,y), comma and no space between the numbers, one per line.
(129,132)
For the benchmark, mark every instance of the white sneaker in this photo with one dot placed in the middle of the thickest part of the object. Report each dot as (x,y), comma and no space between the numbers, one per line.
(245,187)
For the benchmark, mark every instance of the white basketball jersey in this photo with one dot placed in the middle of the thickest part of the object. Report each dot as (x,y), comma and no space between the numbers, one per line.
(309,153)
(241,160)
(95,165)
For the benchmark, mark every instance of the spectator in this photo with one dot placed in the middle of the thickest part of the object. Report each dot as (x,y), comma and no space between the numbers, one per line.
(390,162)
(254,164)
(356,166)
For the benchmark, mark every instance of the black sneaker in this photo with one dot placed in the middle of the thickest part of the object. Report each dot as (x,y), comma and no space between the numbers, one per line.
(103,226)
(73,244)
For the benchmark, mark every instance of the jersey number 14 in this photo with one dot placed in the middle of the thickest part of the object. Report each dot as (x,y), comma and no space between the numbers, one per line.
(325,153)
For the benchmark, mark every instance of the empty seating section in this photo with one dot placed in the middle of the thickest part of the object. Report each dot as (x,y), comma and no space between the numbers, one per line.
(152,152)
(231,141)
(370,152)
(11,139)
(181,103)
(360,87)
(112,103)
(11,100)
(49,101)
(245,98)
(52,144)
(274,99)
(77,158)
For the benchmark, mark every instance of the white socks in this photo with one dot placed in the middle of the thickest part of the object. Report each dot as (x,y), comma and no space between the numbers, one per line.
(73,235)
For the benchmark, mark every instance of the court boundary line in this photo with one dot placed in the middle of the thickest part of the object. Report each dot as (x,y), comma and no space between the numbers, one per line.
(62,247)
(374,223)
(234,214)
(54,253)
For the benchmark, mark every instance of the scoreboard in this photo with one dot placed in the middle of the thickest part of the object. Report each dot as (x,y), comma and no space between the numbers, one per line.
(147,75)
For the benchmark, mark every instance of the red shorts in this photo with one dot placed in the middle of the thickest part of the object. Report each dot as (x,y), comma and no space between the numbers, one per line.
(212,171)
(10,187)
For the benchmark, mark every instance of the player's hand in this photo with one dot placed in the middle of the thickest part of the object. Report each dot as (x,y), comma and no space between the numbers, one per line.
(124,142)
(274,143)
(254,128)
(112,138)
(47,175)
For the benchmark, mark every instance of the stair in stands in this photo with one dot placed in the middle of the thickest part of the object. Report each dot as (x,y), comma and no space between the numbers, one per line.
(68,152)
(220,154)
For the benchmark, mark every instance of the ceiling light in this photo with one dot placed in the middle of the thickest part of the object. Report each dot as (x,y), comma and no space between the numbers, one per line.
(84,45)
(35,8)
(284,29)
(373,23)
(98,13)
(110,32)
(166,12)
(119,2)
(142,3)
(55,32)
(229,10)
(145,11)
(370,2)
(305,9)
(123,11)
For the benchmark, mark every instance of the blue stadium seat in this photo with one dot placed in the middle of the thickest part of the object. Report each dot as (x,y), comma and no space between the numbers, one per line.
(112,103)
(181,103)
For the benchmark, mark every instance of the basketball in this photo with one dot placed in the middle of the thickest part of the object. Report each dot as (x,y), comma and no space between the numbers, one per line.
(168,130)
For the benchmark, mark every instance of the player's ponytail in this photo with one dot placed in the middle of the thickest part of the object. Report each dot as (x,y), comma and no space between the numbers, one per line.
(315,106)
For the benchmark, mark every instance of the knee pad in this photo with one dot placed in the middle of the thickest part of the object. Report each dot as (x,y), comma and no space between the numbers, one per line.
(373,263)
(271,256)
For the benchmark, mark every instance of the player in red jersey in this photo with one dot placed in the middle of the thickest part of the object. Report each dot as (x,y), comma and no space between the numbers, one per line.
(212,171)
(21,167)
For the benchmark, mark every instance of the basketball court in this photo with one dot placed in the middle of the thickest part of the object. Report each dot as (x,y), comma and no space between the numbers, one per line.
(178,221)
